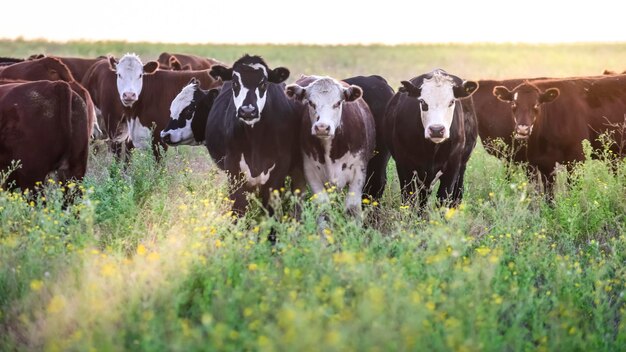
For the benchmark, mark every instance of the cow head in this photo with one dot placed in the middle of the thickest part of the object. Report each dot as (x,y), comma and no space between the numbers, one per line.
(526,101)
(130,73)
(325,97)
(437,93)
(188,115)
(250,77)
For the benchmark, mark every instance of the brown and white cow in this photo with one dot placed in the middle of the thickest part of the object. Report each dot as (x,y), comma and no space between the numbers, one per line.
(337,136)
(554,116)
(44,125)
(430,129)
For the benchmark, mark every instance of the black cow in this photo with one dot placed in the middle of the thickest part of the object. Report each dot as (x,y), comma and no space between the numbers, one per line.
(252,130)
(431,132)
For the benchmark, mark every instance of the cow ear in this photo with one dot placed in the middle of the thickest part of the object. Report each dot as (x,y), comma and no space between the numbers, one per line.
(295,91)
(608,72)
(503,94)
(549,95)
(278,75)
(193,80)
(150,67)
(466,89)
(412,90)
(175,64)
(112,63)
(223,72)
(352,93)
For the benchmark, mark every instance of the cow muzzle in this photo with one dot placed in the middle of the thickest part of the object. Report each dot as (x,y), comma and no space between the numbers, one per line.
(436,133)
(523,131)
(248,113)
(322,130)
(128,99)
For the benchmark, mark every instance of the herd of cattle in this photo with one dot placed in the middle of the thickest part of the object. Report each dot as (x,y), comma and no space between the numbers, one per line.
(318,131)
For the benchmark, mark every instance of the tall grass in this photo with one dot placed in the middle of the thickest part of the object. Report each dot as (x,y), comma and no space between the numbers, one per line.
(151,259)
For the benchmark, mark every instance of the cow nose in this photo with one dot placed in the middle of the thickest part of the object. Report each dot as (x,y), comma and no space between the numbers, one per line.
(129,96)
(523,129)
(322,128)
(436,131)
(247,111)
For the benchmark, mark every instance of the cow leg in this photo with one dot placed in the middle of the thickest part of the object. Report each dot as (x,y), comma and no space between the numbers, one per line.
(298,186)
(355,192)
(457,193)
(447,187)
(239,199)
(377,175)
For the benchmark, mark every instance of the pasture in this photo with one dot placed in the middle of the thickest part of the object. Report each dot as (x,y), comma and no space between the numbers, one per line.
(150,259)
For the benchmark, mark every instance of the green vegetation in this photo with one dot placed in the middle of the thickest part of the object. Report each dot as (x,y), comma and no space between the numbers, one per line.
(150,259)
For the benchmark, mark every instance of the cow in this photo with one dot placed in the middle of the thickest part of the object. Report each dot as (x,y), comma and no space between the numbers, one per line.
(189,113)
(430,129)
(6,61)
(146,93)
(376,93)
(100,81)
(193,62)
(337,136)
(44,125)
(251,131)
(52,69)
(554,116)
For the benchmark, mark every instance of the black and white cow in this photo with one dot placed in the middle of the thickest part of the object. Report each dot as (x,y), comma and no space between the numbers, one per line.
(251,130)
(337,136)
(189,112)
(376,93)
(431,131)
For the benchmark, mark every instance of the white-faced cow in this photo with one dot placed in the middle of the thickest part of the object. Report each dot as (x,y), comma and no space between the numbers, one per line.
(431,131)
(251,130)
(188,115)
(337,136)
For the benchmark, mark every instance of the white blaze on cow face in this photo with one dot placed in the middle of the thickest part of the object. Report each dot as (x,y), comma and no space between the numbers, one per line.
(325,97)
(437,104)
(250,93)
(129,72)
(179,131)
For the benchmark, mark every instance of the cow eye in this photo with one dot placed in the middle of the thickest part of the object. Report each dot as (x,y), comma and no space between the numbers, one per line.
(119,75)
(337,105)
(423,104)
(312,104)
(140,75)
(451,103)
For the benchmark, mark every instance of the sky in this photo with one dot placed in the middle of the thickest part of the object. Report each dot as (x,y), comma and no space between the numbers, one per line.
(316,21)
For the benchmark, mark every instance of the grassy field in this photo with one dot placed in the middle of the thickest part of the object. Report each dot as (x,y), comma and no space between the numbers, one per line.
(150,259)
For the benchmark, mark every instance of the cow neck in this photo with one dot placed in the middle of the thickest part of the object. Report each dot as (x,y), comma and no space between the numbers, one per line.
(199,121)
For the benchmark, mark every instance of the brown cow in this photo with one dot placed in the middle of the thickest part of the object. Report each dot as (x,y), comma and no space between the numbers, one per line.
(555,115)
(194,62)
(52,69)
(337,136)
(44,125)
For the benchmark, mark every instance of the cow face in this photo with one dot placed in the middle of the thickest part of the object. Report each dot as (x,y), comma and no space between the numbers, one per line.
(185,128)
(130,73)
(325,97)
(250,77)
(526,101)
(437,96)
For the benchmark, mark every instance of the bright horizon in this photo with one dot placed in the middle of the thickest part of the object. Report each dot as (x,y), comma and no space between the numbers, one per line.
(319,22)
